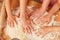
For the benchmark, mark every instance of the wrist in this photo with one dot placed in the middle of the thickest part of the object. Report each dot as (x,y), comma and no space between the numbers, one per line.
(9,15)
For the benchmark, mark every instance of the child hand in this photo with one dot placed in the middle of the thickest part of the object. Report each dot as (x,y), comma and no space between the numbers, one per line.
(43,20)
(26,26)
(11,19)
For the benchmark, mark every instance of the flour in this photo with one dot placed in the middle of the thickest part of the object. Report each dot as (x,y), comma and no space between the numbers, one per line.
(16,32)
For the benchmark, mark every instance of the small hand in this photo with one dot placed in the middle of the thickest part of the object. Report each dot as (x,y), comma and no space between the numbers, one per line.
(42,20)
(11,19)
(42,31)
(26,23)
(27,28)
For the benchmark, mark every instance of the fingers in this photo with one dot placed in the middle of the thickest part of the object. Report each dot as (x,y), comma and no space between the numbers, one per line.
(30,29)
(11,21)
(40,31)
(15,20)
(8,22)
(46,21)
(27,29)
(12,24)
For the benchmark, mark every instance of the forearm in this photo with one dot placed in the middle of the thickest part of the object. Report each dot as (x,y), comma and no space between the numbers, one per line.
(23,5)
(45,5)
(2,17)
(54,9)
(59,3)
(8,7)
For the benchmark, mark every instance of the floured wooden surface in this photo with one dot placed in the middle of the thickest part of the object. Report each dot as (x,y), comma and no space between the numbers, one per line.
(46,33)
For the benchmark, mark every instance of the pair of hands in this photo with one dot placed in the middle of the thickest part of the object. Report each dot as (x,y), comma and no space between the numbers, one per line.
(26,24)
